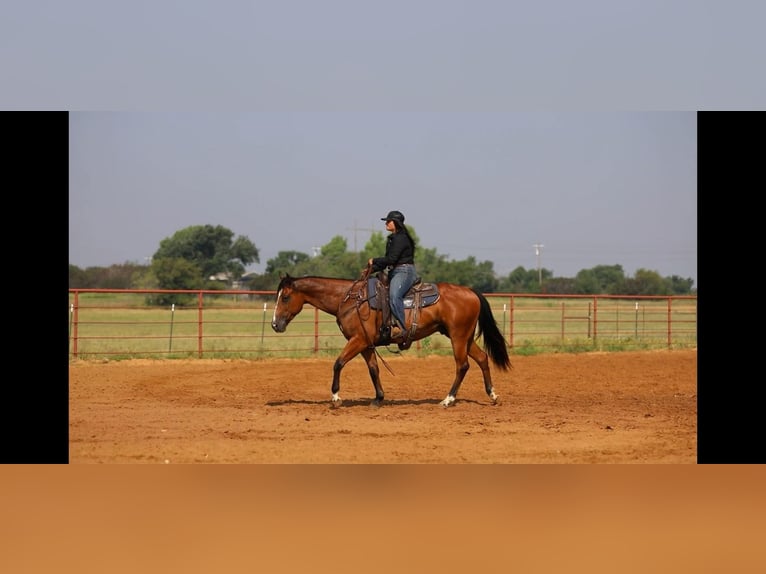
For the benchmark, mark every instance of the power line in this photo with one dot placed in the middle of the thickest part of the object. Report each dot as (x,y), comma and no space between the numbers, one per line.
(355,229)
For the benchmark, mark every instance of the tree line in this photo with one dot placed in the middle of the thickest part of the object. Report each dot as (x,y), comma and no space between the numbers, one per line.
(211,257)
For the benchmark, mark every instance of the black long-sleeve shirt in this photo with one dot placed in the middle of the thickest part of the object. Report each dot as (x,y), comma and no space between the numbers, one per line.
(399,250)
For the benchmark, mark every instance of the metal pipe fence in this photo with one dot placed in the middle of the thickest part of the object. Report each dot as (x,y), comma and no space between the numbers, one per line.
(124,323)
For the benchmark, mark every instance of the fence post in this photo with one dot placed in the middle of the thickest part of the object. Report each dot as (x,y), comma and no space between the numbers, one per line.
(563,316)
(595,318)
(76,323)
(201,323)
(505,306)
(263,323)
(172,314)
(511,321)
(670,323)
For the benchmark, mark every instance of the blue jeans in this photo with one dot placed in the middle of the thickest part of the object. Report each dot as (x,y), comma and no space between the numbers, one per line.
(400,279)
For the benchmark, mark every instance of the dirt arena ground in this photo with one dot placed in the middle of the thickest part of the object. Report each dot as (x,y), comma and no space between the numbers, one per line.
(628,407)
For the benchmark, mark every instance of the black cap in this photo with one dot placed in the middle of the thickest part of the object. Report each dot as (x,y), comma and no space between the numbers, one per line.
(397,216)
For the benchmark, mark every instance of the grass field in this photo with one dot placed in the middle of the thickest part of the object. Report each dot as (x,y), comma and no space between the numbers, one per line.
(119,325)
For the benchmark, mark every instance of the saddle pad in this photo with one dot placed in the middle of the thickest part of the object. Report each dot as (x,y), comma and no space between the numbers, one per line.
(429,294)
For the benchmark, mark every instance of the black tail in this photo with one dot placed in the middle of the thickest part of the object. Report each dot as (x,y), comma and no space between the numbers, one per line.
(494,343)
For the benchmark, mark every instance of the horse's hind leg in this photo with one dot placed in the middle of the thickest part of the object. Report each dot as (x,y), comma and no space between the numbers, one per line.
(461,368)
(481,358)
(374,370)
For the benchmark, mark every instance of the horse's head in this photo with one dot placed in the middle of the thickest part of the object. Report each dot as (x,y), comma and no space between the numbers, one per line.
(289,304)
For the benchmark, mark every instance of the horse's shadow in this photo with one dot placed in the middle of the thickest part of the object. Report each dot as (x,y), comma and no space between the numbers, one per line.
(363,402)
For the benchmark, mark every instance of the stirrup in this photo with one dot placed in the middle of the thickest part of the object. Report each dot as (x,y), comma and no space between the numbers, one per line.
(407,343)
(384,335)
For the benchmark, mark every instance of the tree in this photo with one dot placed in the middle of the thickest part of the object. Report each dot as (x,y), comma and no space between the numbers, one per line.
(336,247)
(646,282)
(601,279)
(586,282)
(78,279)
(430,264)
(212,249)
(335,260)
(176,273)
(468,272)
(285,262)
(375,246)
(522,280)
(678,285)
(560,285)
(610,278)
(483,278)
(121,276)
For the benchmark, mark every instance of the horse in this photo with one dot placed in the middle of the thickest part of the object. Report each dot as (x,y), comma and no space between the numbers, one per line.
(455,313)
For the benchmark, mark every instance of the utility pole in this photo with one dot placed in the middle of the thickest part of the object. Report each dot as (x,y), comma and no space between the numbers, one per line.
(538,247)
(355,229)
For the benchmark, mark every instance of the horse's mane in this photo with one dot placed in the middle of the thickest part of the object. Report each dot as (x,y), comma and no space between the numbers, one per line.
(288,280)
(284,282)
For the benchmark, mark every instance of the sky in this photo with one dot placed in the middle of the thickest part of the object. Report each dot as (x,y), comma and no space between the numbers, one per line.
(494,125)
(570,189)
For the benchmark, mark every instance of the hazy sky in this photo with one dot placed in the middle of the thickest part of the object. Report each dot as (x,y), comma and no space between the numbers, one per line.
(591,187)
(492,124)
(364,55)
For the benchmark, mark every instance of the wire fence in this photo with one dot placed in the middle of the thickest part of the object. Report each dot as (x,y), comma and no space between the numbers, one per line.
(123,324)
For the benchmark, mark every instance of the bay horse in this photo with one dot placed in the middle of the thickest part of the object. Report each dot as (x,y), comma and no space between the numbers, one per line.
(456,313)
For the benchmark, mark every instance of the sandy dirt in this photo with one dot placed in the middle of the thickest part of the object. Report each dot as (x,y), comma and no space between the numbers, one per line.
(627,407)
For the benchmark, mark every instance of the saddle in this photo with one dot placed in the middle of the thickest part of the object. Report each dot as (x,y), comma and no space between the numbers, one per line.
(418,296)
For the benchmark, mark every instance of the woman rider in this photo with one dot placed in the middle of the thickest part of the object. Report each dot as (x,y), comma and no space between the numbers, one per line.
(400,261)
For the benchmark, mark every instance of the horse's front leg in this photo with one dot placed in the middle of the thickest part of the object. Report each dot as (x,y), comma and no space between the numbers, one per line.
(351,350)
(335,389)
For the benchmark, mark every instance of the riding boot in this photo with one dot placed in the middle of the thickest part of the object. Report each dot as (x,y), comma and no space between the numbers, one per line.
(398,330)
